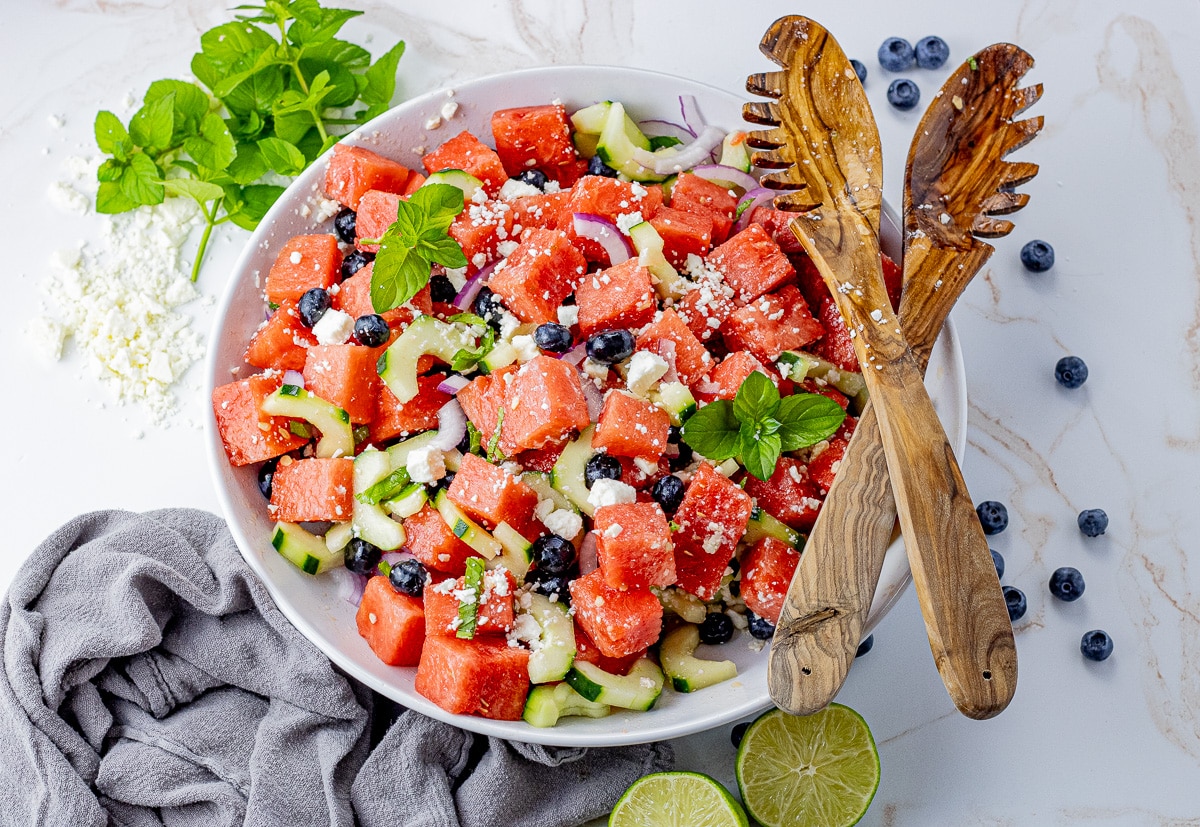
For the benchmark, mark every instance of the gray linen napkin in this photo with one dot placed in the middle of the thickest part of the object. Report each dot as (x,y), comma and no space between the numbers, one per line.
(150,680)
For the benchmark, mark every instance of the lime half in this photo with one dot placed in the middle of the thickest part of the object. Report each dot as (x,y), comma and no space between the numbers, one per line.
(677,799)
(818,770)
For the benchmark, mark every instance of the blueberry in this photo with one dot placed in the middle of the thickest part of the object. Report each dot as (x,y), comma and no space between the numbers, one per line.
(355,261)
(717,628)
(555,338)
(408,577)
(1014,598)
(998,561)
(601,467)
(610,347)
(674,434)
(1093,522)
(371,330)
(1096,645)
(1070,371)
(931,52)
(596,166)
(668,492)
(313,305)
(1037,256)
(487,306)
(896,54)
(553,554)
(442,484)
(1066,584)
(903,94)
(553,586)
(734,565)
(534,178)
(344,224)
(735,587)
(266,475)
(865,646)
(362,557)
(441,290)
(683,460)
(860,69)
(993,516)
(760,627)
(738,733)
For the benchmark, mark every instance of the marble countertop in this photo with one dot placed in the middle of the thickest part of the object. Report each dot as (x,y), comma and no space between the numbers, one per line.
(1111,743)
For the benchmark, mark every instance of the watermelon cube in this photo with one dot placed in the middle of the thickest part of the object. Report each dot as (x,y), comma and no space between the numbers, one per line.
(631,427)
(466,152)
(824,466)
(619,298)
(683,234)
(353,171)
(531,211)
(534,137)
(483,676)
(610,199)
(482,399)
(346,376)
(698,196)
(433,543)
(790,494)
(312,490)
(535,278)
(248,434)
(771,324)
(777,225)
(633,544)
(752,263)
(712,519)
(353,296)
(493,615)
(544,405)
(376,212)
(306,261)
(491,495)
(394,418)
(728,376)
(671,339)
(393,624)
(767,570)
(620,622)
(586,651)
(479,229)
(706,308)
(282,341)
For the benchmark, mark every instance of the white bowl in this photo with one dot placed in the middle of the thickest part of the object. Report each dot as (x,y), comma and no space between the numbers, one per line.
(311,603)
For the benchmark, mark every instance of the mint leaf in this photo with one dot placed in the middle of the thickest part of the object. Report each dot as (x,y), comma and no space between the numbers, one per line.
(339,52)
(756,399)
(761,454)
(141,181)
(712,431)
(199,191)
(468,318)
(248,165)
(190,105)
(468,609)
(152,125)
(409,247)
(661,141)
(438,205)
(441,248)
(806,419)
(281,156)
(398,274)
(381,82)
(111,135)
(493,446)
(110,199)
(321,26)
(213,147)
(234,46)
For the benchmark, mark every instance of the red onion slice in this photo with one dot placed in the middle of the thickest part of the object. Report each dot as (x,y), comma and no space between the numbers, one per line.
(684,158)
(605,233)
(655,128)
(757,197)
(453,384)
(666,349)
(719,173)
(576,355)
(349,585)
(466,296)
(395,558)
(589,558)
(592,396)
(689,110)
(452,426)
(293,377)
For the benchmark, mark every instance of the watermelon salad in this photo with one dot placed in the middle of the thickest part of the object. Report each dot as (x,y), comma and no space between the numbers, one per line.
(499,468)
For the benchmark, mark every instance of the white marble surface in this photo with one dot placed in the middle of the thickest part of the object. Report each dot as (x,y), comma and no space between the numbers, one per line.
(1114,743)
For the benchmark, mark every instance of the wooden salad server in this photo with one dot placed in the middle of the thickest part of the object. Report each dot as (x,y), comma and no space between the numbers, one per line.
(955,167)
(825,146)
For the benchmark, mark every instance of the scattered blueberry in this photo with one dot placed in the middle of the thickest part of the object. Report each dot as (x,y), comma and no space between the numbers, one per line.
(1070,371)
(601,467)
(443,483)
(610,347)
(860,69)
(684,459)
(313,305)
(1014,598)
(674,434)
(1096,645)
(371,330)
(441,289)
(355,261)
(555,338)
(344,224)
(266,475)
(668,492)
(760,627)
(487,306)
(1037,256)
(903,94)
(553,554)
(1066,584)
(362,557)
(553,586)
(717,628)
(931,52)
(534,178)
(408,577)
(738,733)
(998,561)
(993,516)
(735,587)
(896,54)
(596,166)
(1093,522)
(734,565)
(865,646)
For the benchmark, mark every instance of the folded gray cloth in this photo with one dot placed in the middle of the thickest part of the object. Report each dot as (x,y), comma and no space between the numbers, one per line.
(149,679)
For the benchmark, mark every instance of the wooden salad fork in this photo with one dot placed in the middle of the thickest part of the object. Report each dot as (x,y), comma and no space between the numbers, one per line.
(825,146)
(955,167)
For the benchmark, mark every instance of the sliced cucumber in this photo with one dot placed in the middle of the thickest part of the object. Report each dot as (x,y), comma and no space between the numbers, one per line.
(466,182)
(466,529)
(803,364)
(637,690)
(590,120)
(408,502)
(649,245)
(546,704)
(795,364)
(675,399)
(338,536)
(500,356)
(554,652)
(540,482)
(371,522)
(684,604)
(567,475)
(424,336)
(305,551)
(617,141)
(734,152)
(686,671)
(337,437)
(399,452)
(763,524)
(517,553)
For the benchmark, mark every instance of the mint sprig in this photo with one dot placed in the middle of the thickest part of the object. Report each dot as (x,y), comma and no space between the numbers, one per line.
(417,240)
(758,426)
(468,609)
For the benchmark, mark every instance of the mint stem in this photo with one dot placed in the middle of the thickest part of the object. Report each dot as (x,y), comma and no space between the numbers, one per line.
(209,219)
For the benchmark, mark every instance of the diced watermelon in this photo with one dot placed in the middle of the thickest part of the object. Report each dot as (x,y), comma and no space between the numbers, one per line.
(490,495)
(824,466)
(752,263)
(777,223)
(619,622)
(346,376)
(354,297)
(712,519)
(836,346)
(691,358)
(893,279)
(415,181)
(313,489)
(531,211)
(621,297)
(248,434)
(607,198)
(543,405)
(306,261)
(771,324)
(586,651)
(789,495)
(353,170)
(282,341)
(809,280)
(541,459)
(633,545)
(466,152)
(631,427)
(683,233)
(538,275)
(483,676)
(825,389)
(767,570)
(698,196)
(705,309)
(479,229)
(534,137)
(393,624)
(494,614)
(376,212)
(393,418)
(433,543)
(482,399)
(728,376)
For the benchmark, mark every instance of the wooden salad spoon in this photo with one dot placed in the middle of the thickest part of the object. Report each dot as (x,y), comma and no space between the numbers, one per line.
(955,167)
(825,146)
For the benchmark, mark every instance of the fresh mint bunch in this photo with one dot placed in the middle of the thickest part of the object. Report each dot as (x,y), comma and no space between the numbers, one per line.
(417,240)
(758,426)
(275,105)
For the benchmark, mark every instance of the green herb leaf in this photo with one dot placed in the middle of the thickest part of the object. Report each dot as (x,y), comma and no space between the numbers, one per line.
(152,125)
(200,191)
(757,398)
(806,419)
(712,431)
(386,488)
(111,199)
(141,181)
(661,141)
(760,455)
(189,106)
(493,449)
(111,135)
(468,318)
(320,27)
(213,147)
(381,82)
(474,437)
(281,156)
(409,247)
(468,609)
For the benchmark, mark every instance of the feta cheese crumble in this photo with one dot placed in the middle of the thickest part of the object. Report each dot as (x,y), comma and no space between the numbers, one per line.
(645,368)
(426,465)
(564,523)
(611,492)
(334,328)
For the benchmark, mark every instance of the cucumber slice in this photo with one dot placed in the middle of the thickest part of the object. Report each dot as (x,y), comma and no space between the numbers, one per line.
(684,604)
(517,553)
(408,502)
(337,437)
(567,475)
(502,355)
(398,453)
(795,364)
(424,336)
(686,671)
(617,141)
(554,652)
(371,522)
(649,245)
(734,152)
(591,119)
(540,482)
(675,399)
(466,529)
(638,690)
(466,182)
(546,704)
(585,144)
(305,551)
(339,536)
(763,524)
(803,364)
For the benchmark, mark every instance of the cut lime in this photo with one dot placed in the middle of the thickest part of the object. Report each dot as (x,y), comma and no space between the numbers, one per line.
(818,770)
(677,799)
